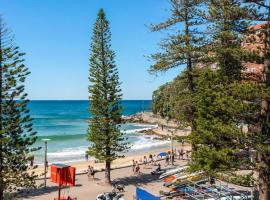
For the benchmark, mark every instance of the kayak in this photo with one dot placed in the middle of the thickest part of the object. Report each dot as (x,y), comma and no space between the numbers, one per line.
(186,178)
(172,177)
(169,178)
(173,171)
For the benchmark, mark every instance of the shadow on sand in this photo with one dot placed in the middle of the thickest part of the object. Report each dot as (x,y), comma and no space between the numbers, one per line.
(142,179)
(41,191)
(94,179)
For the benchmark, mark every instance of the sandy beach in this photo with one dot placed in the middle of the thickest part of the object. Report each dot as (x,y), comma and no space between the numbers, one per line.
(121,169)
(81,166)
(88,189)
(121,172)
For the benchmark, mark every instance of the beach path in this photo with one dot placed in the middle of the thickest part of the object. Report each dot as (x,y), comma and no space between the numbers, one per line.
(88,189)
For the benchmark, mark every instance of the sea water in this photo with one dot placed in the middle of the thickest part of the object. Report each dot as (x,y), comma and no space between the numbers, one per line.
(65,124)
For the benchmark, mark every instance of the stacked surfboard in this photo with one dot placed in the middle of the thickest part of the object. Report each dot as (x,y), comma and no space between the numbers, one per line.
(179,177)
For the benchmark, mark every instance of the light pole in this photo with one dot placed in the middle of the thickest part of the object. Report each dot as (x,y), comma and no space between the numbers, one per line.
(45,160)
(172,154)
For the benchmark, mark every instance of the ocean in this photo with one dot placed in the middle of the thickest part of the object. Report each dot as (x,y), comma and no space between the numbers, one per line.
(65,124)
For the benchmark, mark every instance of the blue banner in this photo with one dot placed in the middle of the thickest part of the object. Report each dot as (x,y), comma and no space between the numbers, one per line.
(144,195)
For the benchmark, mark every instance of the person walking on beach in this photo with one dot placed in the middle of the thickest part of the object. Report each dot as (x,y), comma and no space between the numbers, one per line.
(155,159)
(178,154)
(167,159)
(151,159)
(137,169)
(86,156)
(90,172)
(144,161)
(133,166)
(93,173)
(169,155)
(172,158)
(182,154)
(32,161)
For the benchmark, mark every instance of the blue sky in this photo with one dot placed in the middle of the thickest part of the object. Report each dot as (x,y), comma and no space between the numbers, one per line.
(56,36)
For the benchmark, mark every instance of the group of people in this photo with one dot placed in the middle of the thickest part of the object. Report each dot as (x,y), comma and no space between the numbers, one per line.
(152,159)
(135,167)
(169,157)
(180,153)
(91,172)
(148,160)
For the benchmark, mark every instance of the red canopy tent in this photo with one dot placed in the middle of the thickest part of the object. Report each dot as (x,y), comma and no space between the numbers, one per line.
(63,175)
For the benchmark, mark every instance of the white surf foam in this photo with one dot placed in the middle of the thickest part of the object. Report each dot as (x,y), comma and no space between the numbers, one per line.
(145,125)
(139,142)
(137,130)
(68,152)
(147,142)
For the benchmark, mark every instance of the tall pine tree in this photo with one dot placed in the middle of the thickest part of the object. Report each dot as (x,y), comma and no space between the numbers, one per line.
(218,136)
(107,141)
(228,19)
(183,46)
(260,137)
(264,146)
(16,133)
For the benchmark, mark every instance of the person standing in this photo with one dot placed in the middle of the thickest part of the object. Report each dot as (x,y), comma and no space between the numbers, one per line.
(179,154)
(172,158)
(182,154)
(86,156)
(92,172)
(89,172)
(151,159)
(169,155)
(32,161)
(133,166)
(155,159)
(167,159)
(137,169)
(144,161)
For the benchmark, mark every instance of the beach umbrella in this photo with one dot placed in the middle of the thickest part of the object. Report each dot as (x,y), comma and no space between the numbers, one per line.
(162,154)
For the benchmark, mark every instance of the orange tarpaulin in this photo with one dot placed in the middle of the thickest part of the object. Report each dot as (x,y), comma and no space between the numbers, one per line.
(63,174)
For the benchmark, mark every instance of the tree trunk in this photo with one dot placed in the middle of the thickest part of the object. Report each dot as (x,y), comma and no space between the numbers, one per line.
(1,194)
(1,126)
(264,160)
(108,173)
(263,181)
(264,157)
(189,63)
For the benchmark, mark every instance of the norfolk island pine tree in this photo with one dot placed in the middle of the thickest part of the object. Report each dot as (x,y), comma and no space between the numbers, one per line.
(107,141)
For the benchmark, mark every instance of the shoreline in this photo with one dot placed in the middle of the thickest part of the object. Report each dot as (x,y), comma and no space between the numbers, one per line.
(81,166)
(158,130)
